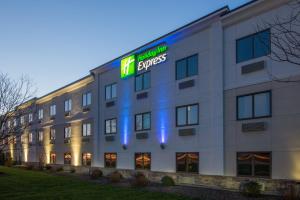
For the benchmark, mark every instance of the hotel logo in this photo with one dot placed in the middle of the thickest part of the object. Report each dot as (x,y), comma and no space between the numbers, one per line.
(128,66)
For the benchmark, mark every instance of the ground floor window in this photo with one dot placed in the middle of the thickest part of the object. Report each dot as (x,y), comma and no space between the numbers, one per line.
(254,164)
(52,158)
(143,161)
(86,159)
(110,160)
(67,158)
(187,162)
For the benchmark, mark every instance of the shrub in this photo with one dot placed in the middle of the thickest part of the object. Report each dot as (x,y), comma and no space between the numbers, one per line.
(251,188)
(29,167)
(115,177)
(73,170)
(140,180)
(8,162)
(48,167)
(96,173)
(167,181)
(59,169)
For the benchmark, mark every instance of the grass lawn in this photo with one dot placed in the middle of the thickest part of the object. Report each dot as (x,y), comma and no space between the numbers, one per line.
(24,184)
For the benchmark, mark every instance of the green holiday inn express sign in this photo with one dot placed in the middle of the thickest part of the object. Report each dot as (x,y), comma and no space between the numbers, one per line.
(143,61)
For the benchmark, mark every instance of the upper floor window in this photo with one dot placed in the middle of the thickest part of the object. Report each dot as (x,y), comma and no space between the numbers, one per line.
(256,164)
(30,137)
(142,81)
(111,91)
(253,46)
(187,67)
(111,126)
(22,120)
(15,122)
(52,110)
(52,134)
(41,113)
(68,132)
(87,99)
(86,129)
(40,136)
(68,105)
(254,105)
(143,121)
(30,117)
(187,115)
(23,138)
(187,162)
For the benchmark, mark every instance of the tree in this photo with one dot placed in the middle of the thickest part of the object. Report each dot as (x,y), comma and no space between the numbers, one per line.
(16,101)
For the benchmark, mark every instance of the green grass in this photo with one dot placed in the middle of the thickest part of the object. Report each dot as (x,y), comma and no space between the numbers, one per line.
(24,184)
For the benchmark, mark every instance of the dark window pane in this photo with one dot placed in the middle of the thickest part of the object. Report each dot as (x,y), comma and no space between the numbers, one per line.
(192,65)
(146,80)
(244,164)
(262,44)
(192,162)
(180,161)
(107,126)
(110,160)
(107,92)
(262,162)
(245,107)
(138,122)
(113,126)
(244,49)
(181,116)
(147,161)
(181,69)
(114,91)
(146,121)
(139,83)
(262,105)
(187,162)
(192,114)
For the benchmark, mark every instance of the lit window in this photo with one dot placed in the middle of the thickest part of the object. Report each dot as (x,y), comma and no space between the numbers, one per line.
(187,162)
(110,160)
(52,110)
(23,138)
(68,132)
(256,164)
(110,91)
(22,120)
(86,129)
(68,105)
(87,99)
(143,121)
(187,115)
(52,134)
(187,67)
(142,81)
(86,159)
(67,158)
(40,136)
(254,105)
(143,161)
(30,137)
(15,122)
(30,117)
(41,114)
(111,126)
(52,158)
(253,46)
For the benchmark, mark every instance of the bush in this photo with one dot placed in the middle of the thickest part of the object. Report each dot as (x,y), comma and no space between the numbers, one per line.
(96,173)
(167,181)
(8,162)
(48,167)
(59,169)
(140,180)
(73,170)
(251,188)
(29,167)
(115,177)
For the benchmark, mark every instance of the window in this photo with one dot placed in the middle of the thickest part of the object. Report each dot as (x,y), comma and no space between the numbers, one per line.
(253,106)
(22,120)
(67,158)
(52,134)
(86,159)
(87,99)
(15,122)
(187,162)
(142,81)
(41,114)
(52,158)
(187,115)
(30,137)
(68,105)
(111,126)
(143,161)
(143,121)
(110,91)
(86,129)
(110,160)
(253,46)
(254,164)
(68,132)
(52,110)
(30,117)
(23,139)
(8,123)
(40,136)
(187,67)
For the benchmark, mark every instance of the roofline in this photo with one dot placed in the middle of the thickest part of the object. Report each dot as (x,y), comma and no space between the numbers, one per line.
(225,8)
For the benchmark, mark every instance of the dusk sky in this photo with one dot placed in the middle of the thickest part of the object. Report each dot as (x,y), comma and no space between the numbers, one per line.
(56,42)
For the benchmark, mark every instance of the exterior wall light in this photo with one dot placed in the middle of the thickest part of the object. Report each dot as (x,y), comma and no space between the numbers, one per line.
(124,146)
(162,145)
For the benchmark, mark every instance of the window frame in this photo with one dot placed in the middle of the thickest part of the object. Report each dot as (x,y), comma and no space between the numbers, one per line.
(143,168)
(143,84)
(253,52)
(41,114)
(85,163)
(187,68)
(110,153)
(52,109)
(110,85)
(69,105)
(253,164)
(143,129)
(176,111)
(105,133)
(198,154)
(253,105)
(52,138)
(82,132)
(85,94)
(68,127)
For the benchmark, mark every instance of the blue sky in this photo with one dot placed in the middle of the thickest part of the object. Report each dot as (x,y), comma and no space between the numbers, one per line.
(56,42)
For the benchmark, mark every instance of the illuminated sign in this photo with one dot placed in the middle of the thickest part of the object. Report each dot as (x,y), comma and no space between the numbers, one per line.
(143,60)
